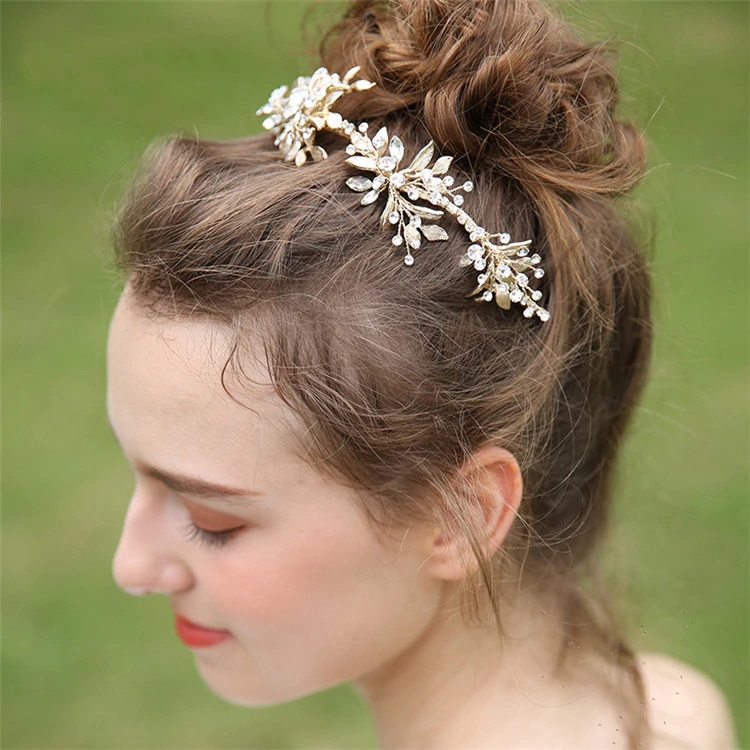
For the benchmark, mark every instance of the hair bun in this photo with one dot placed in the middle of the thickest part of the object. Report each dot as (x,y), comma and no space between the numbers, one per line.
(505,82)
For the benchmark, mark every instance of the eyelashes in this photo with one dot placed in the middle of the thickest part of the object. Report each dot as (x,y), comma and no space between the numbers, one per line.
(207,538)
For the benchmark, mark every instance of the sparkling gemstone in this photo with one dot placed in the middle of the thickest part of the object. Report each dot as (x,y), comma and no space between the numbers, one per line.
(516,295)
(394,217)
(350,149)
(480,264)
(474,251)
(380,139)
(409,260)
(481,278)
(334,120)
(378,181)
(487,296)
(268,123)
(415,221)
(433,197)
(470,225)
(359,183)
(543,315)
(468,186)
(524,251)
(480,232)
(348,128)
(397,240)
(448,180)
(426,174)
(458,200)
(505,271)
(535,258)
(505,238)
(388,163)
(503,287)
(396,148)
(363,126)
(462,218)
(398,180)
(414,241)
(528,312)
(537,295)
(413,194)
(538,273)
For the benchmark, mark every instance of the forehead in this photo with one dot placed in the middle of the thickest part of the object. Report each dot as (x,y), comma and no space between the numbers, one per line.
(165,395)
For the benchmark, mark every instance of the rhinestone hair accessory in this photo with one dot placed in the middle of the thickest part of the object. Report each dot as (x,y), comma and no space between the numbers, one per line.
(295,117)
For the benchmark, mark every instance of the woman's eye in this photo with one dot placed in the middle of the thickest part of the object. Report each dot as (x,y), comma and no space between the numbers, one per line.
(214,535)
(210,538)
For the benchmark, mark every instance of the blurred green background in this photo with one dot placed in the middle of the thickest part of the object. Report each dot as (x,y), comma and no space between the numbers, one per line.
(85,87)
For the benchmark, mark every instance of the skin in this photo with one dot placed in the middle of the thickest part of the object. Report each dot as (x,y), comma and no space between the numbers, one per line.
(311,594)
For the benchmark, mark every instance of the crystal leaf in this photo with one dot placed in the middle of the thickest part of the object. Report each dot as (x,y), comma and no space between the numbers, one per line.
(362,85)
(426,213)
(350,74)
(442,164)
(370,197)
(318,153)
(412,236)
(300,158)
(359,183)
(396,148)
(388,163)
(318,121)
(390,207)
(380,140)
(362,162)
(433,232)
(423,158)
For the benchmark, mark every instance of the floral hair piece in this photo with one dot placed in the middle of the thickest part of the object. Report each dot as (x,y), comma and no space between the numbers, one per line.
(296,116)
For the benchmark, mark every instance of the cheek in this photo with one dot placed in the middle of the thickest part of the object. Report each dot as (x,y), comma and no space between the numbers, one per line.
(326,595)
(314,601)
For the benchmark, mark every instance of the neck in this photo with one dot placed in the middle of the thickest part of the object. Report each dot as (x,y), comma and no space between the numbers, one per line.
(460,685)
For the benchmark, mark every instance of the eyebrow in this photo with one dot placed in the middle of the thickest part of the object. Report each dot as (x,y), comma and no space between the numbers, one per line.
(195,487)
(192,486)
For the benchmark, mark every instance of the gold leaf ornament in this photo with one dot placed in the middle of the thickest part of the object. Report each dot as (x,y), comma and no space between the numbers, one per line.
(295,116)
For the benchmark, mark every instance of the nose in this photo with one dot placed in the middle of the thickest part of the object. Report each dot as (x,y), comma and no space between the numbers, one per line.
(147,559)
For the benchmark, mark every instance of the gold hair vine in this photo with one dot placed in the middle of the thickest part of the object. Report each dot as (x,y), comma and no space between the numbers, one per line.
(295,117)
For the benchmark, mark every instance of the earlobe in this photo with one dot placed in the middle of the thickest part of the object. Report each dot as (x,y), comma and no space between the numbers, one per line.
(490,488)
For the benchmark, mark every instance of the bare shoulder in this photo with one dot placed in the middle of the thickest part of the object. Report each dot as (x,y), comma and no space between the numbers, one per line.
(686,708)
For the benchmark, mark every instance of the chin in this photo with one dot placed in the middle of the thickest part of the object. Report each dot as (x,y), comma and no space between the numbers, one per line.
(243,690)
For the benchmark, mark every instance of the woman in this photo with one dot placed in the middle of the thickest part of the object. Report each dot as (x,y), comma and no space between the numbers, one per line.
(385,457)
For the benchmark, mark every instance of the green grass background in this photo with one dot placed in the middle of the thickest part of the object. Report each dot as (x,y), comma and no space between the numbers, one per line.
(85,87)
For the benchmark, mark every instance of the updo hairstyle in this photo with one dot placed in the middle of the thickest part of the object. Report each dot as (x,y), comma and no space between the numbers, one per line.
(397,375)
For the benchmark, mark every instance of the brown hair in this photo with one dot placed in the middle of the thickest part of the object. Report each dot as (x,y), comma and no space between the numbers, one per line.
(398,375)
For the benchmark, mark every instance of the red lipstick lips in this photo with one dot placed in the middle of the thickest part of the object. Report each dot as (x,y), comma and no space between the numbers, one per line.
(196,636)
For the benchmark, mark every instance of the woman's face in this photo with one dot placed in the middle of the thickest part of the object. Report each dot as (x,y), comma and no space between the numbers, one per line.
(310,595)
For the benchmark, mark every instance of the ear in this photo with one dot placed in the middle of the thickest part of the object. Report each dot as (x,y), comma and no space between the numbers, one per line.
(491,506)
